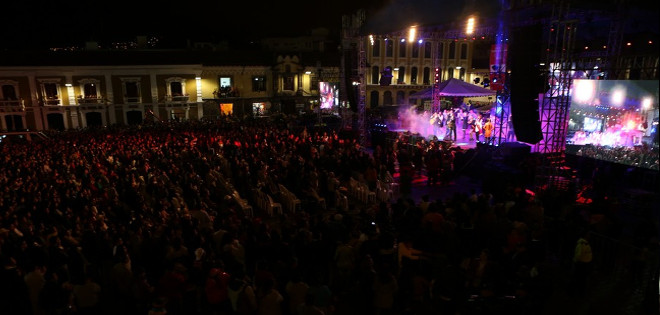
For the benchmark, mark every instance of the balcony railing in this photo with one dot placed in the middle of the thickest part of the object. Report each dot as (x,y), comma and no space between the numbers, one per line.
(51,101)
(12,106)
(176,98)
(132,99)
(91,100)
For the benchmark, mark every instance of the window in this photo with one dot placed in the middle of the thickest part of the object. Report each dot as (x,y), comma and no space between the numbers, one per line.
(176,89)
(374,99)
(441,50)
(464,51)
(452,50)
(258,84)
(313,82)
(288,83)
(402,75)
(225,83)
(400,97)
(50,91)
(90,90)
(375,48)
(389,48)
(402,49)
(461,74)
(8,91)
(427,76)
(131,90)
(375,74)
(387,98)
(413,75)
(415,50)
(427,50)
(450,73)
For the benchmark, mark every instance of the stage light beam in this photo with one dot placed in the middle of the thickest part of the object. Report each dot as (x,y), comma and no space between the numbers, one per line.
(469,29)
(412,33)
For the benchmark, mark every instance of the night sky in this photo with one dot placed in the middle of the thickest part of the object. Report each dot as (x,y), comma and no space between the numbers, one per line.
(42,24)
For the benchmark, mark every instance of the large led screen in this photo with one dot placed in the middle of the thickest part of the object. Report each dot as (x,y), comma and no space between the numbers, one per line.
(615,120)
(329,95)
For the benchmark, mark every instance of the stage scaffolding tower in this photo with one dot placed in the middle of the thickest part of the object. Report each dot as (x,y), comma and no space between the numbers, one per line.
(353,46)
(555,102)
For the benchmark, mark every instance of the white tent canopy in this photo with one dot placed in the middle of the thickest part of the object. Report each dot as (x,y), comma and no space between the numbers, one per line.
(454,87)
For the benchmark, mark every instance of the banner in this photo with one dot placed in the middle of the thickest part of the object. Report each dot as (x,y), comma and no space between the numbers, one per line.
(498,55)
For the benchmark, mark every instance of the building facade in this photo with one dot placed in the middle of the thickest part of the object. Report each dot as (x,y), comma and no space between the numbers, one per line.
(413,63)
(94,89)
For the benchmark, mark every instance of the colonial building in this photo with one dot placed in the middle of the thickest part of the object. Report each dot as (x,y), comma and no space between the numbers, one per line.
(402,63)
(68,90)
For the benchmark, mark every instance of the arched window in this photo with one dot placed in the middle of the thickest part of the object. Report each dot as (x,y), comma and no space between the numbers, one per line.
(400,97)
(427,76)
(9,91)
(375,48)
(413,75)
(176,88)
(464,50)
(90,89)
(131,90)
(427,50)
(450,73)
(411,97)
(402,48)
(50,91)
(375,74)
(389,48)
(441,50)
(387,98)
(402,75)
(461,74)
(374,99)
(452,50)
(415,50)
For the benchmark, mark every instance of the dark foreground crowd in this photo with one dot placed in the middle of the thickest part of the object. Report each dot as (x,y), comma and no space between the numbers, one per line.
(141,220)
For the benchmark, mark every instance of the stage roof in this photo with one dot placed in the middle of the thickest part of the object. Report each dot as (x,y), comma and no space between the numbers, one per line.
(455,87)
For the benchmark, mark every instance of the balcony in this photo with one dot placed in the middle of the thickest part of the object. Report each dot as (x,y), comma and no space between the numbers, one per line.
(132,99)
(91,99)
(175,99)
(51,101)
(9,106)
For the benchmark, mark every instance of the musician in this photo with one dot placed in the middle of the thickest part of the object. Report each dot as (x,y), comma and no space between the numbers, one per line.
(451,126)
(478,127)
(488,131)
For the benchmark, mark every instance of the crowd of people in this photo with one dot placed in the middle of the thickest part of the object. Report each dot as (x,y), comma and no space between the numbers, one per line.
(141,220)
(644,156)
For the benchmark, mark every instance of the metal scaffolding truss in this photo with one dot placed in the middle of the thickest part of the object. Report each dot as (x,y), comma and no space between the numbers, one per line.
(555,103)
(353,48)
